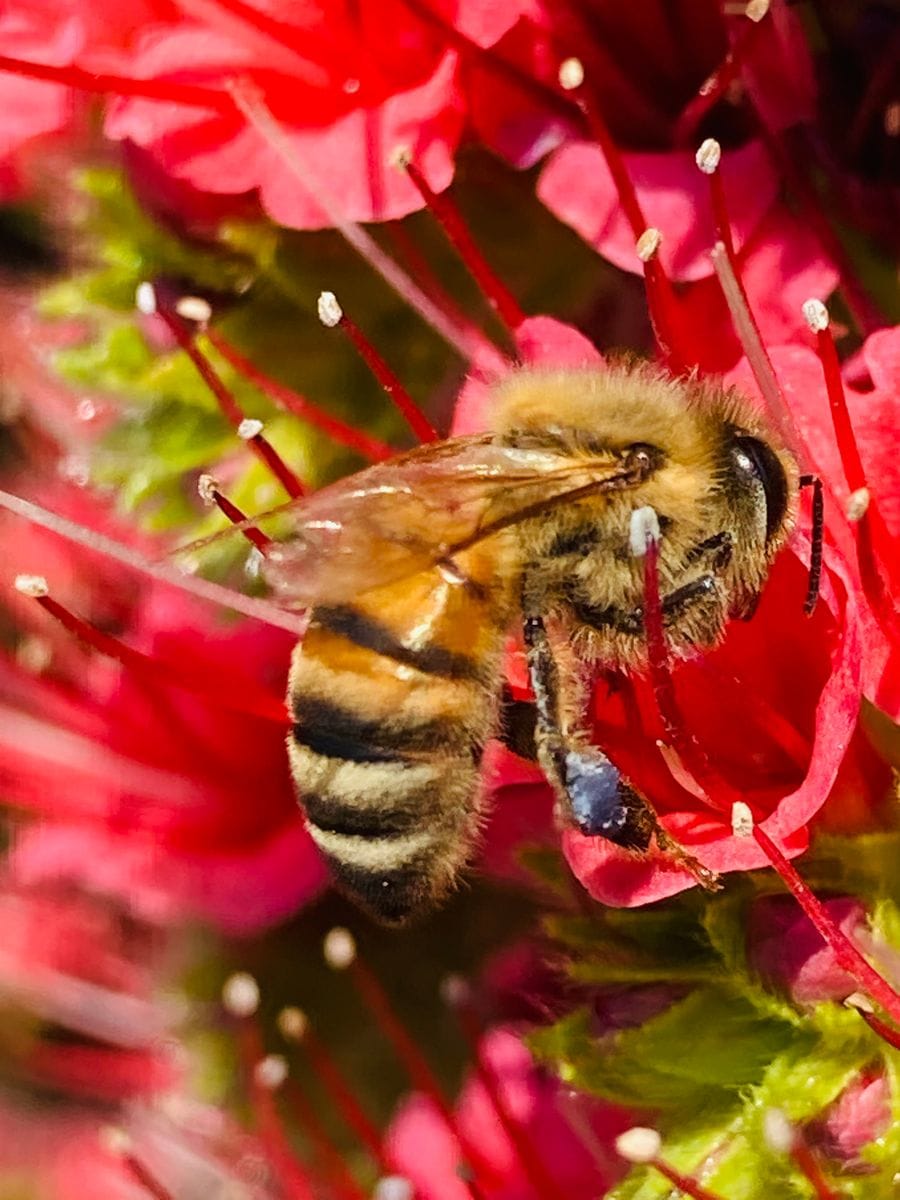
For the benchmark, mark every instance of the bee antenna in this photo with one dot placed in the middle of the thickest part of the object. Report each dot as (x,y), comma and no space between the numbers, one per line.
(817,540)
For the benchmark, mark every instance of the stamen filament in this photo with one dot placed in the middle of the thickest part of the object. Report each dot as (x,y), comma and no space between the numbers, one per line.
(209,491)
(847,955)
(168,91)
(142,1176)
(332,314)
(346,435)
(714,88)
(784,1137)
(229,407)
(689,1186)
(344,1185)
(245,700)
(641,1146)
(662,304)
(450,219)
(878,1027)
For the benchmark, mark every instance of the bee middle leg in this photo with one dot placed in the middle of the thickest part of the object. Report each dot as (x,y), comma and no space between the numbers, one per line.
(599,800)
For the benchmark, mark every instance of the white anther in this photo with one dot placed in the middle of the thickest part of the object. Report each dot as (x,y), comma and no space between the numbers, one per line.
(858,504)
(292,1024)
(756,9)
(339,948)
(778,1131)
(643,529)
(393,1187)
(708,156)
(638,1144)
(271,1072)
(648,243)
(860,1002)
(330,312)
(571,74)
(249,428)
(194,308)
(85,410)
(115,1140)
(207,486)
(34,586)
(145,298)
(351,86)
(401,157)
(816,315)
(741,819)
(240,994)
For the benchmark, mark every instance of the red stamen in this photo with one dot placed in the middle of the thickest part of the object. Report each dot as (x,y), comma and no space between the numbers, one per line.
(121,85)
(886,1032)
(346,435)
(340,953)
(689,1186)
(229,406)
(817,317)
(331,314)
(420,268)
(662,304)
(244,699)
(296,1028)
(210,492)
(537,1174)
(344,1185)
(714,88)
(848,957)
(641,1146)
(144,1178)
(708,158)
(450,219)
(807,1164)
(784,1137)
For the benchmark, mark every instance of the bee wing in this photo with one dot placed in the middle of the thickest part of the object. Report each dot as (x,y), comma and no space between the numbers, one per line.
(397,518)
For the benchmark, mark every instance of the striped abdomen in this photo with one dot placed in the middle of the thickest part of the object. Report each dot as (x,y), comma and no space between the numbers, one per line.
(393,697)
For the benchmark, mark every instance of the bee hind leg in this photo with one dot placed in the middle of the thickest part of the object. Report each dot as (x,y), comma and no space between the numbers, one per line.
(599,800)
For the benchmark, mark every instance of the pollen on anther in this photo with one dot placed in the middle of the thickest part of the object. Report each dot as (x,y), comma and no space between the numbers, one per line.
(330,311)
(292,1024)
(34,586)
(145,298)
(643,530)
(741,820)
(207,486)
(271,1072)
(858,504)
(638,1144)
(778,1131)
(756,9)
(860,1002)
(194,308)
(401,157)
(339,948)
(648,244)
(708,156)
(240,994)
(249,428)
(816,315)
(571,74)
(393,1187)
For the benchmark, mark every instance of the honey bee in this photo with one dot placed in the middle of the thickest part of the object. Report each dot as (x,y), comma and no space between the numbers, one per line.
(416,570)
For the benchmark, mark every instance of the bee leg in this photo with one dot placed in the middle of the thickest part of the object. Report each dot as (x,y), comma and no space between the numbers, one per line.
(599,800)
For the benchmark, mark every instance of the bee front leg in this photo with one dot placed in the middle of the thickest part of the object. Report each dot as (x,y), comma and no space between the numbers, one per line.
(599,800)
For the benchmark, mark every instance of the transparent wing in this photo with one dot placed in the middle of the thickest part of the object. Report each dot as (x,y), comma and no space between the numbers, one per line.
(395,519)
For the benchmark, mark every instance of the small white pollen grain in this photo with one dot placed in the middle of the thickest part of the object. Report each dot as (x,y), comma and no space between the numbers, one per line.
(34,586)
(860,1002)
(115,1140)
(194,308)
(708,156)
(816,315)
(271,1072)
(240,994)
(393,1187)
(145,298)
(249,428)
(330,312)
(642,530)
(571,74)
(292,1024)
(858,504)
(339,948)
(85,410)
(207,486)
(892,119)
(638,1144)
(741,820)
(648,244)
(351,86)
(756,9)
(778,1132)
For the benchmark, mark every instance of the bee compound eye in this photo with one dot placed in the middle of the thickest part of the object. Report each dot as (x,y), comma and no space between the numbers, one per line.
(754,460)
